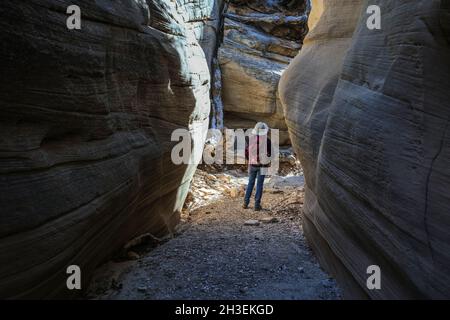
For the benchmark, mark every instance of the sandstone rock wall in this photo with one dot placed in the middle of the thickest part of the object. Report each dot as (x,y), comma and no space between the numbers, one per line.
(204,18)
(368,112)
(86,118)
(260,39)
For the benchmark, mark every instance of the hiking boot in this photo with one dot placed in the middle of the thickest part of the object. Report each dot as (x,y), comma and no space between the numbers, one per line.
(245,206)
(258,207)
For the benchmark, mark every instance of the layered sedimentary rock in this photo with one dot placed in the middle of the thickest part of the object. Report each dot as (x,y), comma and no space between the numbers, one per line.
(204,18)
(260,39)
(368,113)
(86,118)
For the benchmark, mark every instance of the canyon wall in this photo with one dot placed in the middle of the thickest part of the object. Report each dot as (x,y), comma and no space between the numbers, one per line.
(204,19)
(260,39)
(368,112)
(86,118)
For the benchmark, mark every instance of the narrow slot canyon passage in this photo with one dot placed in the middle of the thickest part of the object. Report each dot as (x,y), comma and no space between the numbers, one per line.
(97,98)
(222,251)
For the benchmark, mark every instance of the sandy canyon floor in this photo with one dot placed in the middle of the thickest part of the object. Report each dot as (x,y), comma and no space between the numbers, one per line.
(222,251)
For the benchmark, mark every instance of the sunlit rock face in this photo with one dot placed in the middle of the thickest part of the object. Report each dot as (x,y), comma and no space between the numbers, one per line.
(204,18)
(86,118)
(260,39)
(368,113)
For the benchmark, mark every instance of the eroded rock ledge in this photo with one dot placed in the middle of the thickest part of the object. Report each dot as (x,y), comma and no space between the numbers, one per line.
(368,113)
(260,39)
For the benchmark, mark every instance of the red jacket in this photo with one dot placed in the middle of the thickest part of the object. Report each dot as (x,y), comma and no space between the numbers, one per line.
(252,147)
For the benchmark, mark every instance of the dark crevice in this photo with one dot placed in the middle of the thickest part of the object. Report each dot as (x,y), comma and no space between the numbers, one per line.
(427,187)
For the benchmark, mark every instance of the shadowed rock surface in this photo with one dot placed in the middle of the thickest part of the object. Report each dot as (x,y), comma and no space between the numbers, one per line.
(260,39)
(368,112)
(86,118)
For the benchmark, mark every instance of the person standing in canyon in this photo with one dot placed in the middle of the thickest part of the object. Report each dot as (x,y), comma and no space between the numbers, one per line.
(257,144)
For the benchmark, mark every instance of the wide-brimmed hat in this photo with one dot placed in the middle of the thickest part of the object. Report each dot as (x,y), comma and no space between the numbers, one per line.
(261,129)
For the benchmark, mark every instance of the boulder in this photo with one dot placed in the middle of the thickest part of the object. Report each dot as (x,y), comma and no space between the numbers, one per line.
(367,112)
(86,118)
(253,223)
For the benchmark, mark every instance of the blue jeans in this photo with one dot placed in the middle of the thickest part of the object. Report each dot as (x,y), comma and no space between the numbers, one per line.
(254,173)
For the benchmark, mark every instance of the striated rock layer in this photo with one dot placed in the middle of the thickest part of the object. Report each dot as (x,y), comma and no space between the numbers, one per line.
(86,118)
(260,39)
(204,18)
(368,112)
